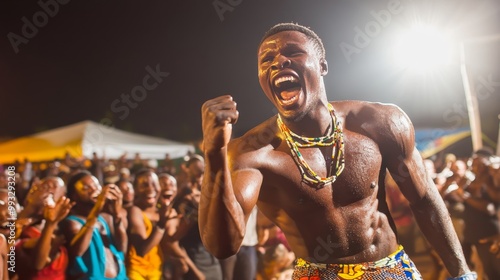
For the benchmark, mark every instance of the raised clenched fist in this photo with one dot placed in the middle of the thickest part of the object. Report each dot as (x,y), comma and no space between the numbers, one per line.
(218,116)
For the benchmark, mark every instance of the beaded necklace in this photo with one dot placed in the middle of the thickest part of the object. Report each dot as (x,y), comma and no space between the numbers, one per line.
(334,138)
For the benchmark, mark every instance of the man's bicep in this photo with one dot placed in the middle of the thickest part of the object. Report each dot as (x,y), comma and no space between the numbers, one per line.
(410,175)
(396,137)
(246,186)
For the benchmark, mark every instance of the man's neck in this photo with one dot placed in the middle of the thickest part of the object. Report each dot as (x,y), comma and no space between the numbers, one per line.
(316,123)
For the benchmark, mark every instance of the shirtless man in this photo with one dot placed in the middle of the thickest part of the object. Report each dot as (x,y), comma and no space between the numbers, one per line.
(327,196)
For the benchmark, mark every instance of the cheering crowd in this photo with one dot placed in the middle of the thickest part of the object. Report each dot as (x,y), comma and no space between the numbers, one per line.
(122,219)
(137,219)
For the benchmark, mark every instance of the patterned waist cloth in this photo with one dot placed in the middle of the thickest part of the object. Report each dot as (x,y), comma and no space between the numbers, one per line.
(395,266)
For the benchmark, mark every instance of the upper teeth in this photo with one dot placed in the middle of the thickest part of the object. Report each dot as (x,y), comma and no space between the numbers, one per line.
(284,79)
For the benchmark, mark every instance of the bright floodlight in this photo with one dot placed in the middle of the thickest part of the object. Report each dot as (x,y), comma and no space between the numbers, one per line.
(422,48)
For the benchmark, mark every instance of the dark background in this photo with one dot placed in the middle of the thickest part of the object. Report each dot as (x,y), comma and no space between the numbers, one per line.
(91,52)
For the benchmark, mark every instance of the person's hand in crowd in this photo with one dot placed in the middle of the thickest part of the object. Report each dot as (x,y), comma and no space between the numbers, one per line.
(114,198)
(54,213)
(164,211)
(495,244)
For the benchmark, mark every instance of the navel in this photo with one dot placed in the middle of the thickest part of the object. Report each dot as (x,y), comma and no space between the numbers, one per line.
(373,185)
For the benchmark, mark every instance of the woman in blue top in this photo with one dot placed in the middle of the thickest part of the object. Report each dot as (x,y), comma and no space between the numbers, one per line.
(95,230)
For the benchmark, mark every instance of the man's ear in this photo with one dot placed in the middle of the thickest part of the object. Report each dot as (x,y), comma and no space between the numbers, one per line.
(324,66)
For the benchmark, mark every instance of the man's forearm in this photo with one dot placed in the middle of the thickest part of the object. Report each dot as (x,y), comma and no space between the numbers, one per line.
(221,218)
(434,221)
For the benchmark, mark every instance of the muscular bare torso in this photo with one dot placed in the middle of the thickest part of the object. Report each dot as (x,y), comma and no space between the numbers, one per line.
(343,222)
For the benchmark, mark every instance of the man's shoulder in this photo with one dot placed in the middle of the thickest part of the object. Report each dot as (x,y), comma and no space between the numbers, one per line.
(255,139)
(383,122)
(369,114)
(253,149)
(360,108)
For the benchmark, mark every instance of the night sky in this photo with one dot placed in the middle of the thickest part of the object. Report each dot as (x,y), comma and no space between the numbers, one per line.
(87,58)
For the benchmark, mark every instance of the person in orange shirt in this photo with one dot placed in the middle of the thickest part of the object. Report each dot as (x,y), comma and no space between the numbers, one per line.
(147,222)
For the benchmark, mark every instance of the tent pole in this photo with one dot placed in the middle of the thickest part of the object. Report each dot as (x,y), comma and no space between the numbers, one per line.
(498,139)
(472,106)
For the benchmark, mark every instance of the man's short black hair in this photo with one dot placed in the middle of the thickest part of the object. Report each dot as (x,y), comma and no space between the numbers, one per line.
(290,26)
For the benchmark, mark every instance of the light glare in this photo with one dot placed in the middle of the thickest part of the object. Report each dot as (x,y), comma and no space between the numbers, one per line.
(422,48)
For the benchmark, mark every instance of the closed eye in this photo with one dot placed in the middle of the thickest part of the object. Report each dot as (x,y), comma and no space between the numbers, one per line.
(294,53)
(266,59)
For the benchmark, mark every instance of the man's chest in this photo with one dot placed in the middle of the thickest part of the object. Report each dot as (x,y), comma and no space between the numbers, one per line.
(284,172)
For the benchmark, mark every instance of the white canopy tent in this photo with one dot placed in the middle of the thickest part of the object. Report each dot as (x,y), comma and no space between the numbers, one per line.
(85,138)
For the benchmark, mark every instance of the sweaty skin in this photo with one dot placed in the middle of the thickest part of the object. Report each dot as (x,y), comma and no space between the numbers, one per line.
(344,222)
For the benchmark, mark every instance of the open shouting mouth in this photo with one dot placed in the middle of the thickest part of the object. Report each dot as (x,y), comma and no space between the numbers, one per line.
(288,88)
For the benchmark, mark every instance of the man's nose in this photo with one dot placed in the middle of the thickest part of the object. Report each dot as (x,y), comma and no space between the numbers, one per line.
(281,62)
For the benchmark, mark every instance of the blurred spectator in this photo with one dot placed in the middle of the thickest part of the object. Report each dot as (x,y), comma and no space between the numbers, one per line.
(26,173)
(95,232)
(39,254)
(137,164)
(448,161)
(125,174)
(494,243)
(6,213)
(456,180)
(176,262)
(277,263)
(275,256)
(183,174)
(122,162)
(50,256)
(50,189)
(494,171)
(96,167)
(167,165)
(127,190)
(189,199)
(243,265)
(168,188)
(147,222)
(480,212)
